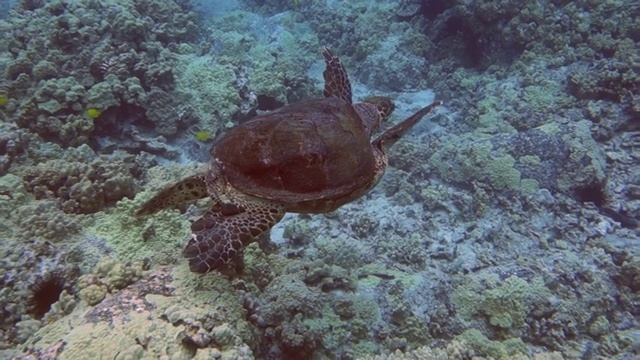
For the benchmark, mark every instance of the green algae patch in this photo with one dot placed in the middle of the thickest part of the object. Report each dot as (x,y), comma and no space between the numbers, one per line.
(366,309)
(108,276)
(504,303)
(333,330)
(502,173)
(566,158)
(213,291)
(478,160)
(530,160)
(587,163)
(87,340)
(545,96)
(461,164)
(12,196)
(211,87)
(371,275)
(492,122)
(157,237)
(530,164)
(550,128)
(99,339)
(158,330)
(153,327)
(529,186)
(206,298)
(364,349)
(507,349)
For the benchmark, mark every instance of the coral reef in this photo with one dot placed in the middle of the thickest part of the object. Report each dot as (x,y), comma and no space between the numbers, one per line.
(24,265)
(81,188)
(44,292)
(12,196)
(556,157)
(148,318)
(108,276)
(505,228)
(457,350)
(158,240)
(68,63)
(487,295)
(215,93)
(259,63)
(13,145)
(386,55)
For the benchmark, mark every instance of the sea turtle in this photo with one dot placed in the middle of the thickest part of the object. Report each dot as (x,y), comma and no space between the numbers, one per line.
(308,157)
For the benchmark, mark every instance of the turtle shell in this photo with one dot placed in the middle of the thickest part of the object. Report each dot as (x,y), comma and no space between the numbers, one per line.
(309,151)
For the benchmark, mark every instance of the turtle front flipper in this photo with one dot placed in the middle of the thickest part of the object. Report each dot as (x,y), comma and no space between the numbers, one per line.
(391,135)
(336,80)
(219,235)
(188,189)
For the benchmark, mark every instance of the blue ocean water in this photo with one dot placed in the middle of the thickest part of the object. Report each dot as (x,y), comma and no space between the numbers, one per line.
(206,179)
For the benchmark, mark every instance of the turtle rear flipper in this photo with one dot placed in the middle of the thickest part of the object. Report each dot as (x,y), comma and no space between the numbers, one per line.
(219,235)
(188,189)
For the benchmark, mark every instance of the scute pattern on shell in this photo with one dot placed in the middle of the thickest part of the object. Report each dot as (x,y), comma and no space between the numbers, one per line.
(311,150)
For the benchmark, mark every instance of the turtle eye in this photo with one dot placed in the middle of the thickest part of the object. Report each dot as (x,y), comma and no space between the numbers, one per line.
(385,108)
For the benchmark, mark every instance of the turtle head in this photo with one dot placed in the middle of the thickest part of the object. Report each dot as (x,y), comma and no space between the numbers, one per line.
(374,111)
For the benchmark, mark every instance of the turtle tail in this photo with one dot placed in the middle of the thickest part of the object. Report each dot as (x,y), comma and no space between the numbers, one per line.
(219,235)
(189,189)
